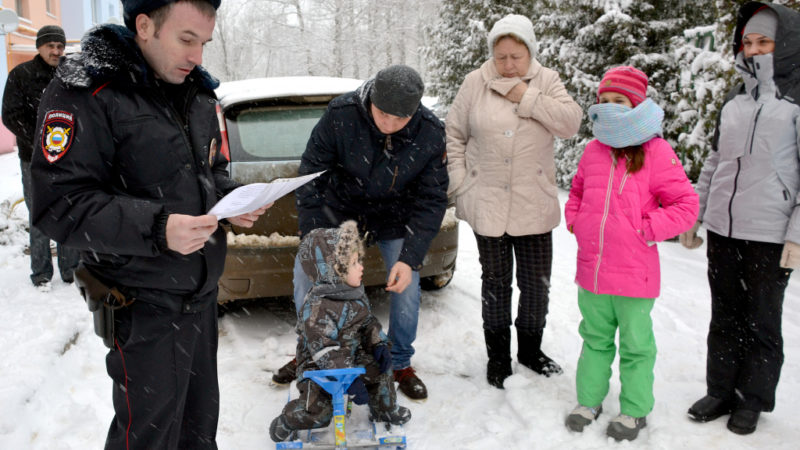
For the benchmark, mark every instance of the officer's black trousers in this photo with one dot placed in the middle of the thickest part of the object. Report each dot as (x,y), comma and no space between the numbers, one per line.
(745,345)
(164,370)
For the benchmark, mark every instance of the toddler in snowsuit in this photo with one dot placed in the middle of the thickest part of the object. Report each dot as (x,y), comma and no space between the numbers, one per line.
(337,330)
(630,191)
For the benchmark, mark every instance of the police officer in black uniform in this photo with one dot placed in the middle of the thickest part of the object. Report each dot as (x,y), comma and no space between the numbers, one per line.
(125,168)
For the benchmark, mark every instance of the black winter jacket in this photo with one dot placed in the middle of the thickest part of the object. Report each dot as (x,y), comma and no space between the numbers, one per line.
(114,157)
(394,186)
(21,98)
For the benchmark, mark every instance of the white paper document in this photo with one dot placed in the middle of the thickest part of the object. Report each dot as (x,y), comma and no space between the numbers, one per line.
(250,197)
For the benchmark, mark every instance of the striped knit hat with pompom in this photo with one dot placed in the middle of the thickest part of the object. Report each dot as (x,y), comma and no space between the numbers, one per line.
(626,80)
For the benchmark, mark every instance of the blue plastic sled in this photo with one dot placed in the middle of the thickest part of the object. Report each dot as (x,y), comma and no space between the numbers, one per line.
(336,382)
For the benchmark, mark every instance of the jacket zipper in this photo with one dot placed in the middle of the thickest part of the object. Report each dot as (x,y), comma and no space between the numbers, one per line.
(738,171)
(624,179)
(603,220)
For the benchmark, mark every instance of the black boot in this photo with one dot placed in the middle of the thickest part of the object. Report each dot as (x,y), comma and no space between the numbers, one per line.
(530,355)
(498,347)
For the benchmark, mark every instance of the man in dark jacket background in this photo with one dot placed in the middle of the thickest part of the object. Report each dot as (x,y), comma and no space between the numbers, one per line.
(23,91)
(125,167)
(384,153)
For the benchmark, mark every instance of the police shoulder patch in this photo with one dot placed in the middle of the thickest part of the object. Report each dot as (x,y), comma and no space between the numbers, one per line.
(58,131)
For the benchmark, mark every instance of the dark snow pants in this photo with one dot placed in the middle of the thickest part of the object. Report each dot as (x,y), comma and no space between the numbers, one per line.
(164,370)
(745,345)
(534,257)
(314,408)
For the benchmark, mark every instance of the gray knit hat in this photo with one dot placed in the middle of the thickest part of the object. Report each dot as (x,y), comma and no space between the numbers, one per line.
(50,33)
(397,90)
(516,25)
(764,22)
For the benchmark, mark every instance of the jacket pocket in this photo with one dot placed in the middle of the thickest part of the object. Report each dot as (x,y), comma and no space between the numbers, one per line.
(544,183)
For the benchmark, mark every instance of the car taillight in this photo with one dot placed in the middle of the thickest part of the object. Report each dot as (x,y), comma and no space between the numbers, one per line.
(223,149)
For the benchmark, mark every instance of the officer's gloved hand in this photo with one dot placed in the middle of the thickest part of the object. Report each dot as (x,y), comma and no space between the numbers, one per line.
(358,391)
(382,357)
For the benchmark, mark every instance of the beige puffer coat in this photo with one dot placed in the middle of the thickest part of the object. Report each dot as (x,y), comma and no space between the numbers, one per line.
(501,163)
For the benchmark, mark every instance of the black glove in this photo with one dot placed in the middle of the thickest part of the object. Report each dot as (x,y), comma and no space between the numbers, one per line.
(382,357)
(358,391)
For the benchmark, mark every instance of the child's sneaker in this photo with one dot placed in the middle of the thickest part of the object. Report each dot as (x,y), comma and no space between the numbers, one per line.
(625,427)
(398,416)
(279,431)
(582,416)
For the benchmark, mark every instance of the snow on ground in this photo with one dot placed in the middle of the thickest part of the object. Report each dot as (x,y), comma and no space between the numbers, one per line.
(54,393)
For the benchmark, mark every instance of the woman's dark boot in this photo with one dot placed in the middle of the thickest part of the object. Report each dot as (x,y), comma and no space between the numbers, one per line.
(530,355)
(498,347)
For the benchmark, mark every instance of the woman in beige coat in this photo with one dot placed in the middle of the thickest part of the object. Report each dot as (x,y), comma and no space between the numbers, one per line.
(500,132)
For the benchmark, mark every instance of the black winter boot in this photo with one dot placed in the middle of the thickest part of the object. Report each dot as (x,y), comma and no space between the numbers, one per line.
(530,355)
(498,347)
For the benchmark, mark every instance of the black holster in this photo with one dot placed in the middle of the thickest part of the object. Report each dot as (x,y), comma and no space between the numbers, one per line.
(102,301)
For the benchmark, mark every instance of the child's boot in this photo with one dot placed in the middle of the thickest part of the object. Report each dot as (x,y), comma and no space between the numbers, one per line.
(279,430)
(498,347)
(582,416)
(530,355)
(397,416)
(625,427)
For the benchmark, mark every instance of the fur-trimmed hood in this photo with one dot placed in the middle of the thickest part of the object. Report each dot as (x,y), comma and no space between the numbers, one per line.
(325,252)
(110,53)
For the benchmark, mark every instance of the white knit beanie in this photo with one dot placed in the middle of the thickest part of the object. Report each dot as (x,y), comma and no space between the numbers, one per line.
(519,26)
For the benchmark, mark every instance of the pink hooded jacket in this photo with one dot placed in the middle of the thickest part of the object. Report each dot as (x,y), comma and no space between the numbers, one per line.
(617,217)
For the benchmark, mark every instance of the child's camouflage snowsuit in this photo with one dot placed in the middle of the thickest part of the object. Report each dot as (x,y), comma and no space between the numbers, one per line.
(336,328)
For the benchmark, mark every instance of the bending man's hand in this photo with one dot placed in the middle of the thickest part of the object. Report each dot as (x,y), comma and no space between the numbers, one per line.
(399,277)
(248,219)
(188,234)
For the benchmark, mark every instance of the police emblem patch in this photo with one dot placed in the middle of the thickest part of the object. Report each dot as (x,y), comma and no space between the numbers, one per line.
(58,131)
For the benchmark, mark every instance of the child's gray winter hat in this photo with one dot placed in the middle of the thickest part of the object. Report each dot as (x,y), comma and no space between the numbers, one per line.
(132,8)
(325,252)
(518,26)
(764,22)
(397,90)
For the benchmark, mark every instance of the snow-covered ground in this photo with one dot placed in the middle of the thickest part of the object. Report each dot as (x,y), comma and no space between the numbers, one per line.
(54,392)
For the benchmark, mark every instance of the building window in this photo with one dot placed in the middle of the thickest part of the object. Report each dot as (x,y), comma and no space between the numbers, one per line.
(97,13)
(48,4)
(22,8)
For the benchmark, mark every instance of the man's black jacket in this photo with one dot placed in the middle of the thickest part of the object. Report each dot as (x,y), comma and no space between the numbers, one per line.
(21,100)
(394,186)
(114,156)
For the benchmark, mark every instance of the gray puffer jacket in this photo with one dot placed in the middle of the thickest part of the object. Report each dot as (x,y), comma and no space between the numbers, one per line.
(750,183)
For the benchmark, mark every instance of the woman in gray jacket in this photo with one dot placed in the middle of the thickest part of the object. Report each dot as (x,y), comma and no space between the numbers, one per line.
(748,196)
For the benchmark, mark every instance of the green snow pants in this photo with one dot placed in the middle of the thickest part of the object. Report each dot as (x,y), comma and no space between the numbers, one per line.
(602,314)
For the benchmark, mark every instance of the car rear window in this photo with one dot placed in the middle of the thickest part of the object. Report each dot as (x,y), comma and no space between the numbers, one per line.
(272,132)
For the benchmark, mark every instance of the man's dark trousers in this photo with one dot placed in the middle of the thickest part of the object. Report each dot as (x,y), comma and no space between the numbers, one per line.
(164,371)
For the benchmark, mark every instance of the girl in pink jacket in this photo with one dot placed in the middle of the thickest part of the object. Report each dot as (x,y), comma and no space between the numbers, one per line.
(630,192)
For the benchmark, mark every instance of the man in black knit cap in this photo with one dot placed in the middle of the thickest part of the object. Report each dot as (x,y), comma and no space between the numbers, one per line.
(24,88)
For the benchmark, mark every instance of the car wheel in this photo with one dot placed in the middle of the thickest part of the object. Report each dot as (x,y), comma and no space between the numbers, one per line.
(436,282)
